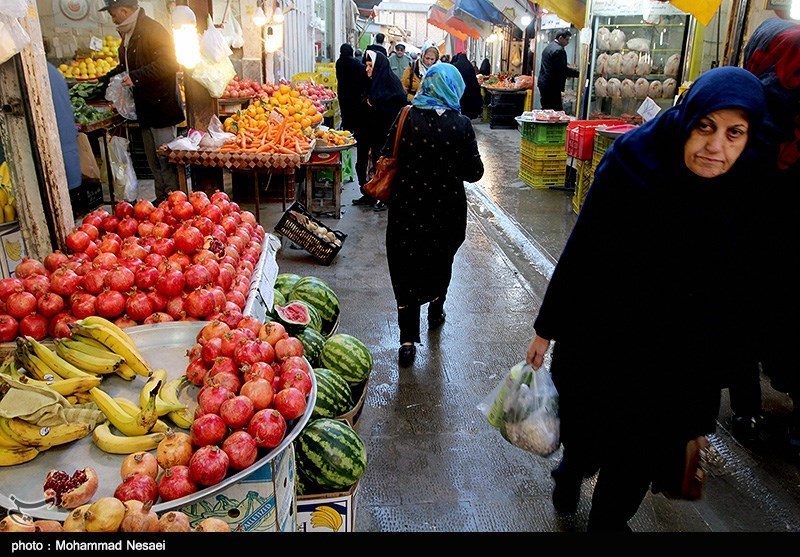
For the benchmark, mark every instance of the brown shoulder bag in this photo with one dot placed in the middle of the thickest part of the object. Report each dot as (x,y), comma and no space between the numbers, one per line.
(380,186)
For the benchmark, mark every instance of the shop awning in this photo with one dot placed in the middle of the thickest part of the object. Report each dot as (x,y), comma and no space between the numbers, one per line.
(461,18)
(438,17)
(573,11)
(513,10)
(481,10)
(703,10)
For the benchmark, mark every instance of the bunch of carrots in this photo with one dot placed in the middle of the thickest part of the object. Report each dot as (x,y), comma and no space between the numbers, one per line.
(264,131)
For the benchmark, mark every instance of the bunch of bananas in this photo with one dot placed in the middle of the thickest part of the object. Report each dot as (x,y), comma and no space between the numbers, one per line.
(8,203)
(326,517)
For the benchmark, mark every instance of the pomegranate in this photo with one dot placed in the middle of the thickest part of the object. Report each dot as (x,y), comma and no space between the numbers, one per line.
(208,465)
(158,317)
(250,351)
(237,411)
(212,213)
(75,520)
(223,364)
(65,281)
(120,278)
(48,526)
(125,321)
(229,341)
(174,521)
(163,245)
(83,304)
(104,515)
(210,398)
(145,229)
(174,450)
(123,209)
(267,427)
(171,283)
(8,328)
(180,260)
(36,284)
(110,304)
(175,483)
(241,449)
(141,487)
(8,286)
(158,299)
(196,371)
(272,332)
(139,306)
(68,491)
(287,347)
(146,277)
(110,245)
(251,323)
(199,200)
(208,429)
(34,325)
(199,303)
(139,517)
(77,240)
(20,304)
(183,210)
(290,402)
(231,316)
(128,227)
(142,209)
(91,230)
(17,522)
(105,260)
(110,223)
(229,380)
(175,307)
(258,370)
(237,298)
(94,281)
(140,462)
(188,239)
(293,363)
(211,350)
(59,325)
(215,329)
(195,352)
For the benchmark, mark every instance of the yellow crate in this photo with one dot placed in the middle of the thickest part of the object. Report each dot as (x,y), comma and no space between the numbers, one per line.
(534,151)
(303,76)
(543,166)
(584,177)
(542,181)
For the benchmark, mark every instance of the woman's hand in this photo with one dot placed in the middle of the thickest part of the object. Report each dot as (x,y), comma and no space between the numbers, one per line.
(536,351)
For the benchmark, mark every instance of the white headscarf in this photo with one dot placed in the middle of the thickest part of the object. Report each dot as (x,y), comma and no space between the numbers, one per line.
(422,68)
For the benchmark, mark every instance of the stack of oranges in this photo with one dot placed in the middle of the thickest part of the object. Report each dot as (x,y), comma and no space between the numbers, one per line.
(300,112)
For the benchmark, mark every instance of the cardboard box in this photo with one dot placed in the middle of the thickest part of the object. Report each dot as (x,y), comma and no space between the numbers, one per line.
(263,502)
(360,395)
(12,249)
(318,512)
(318,157)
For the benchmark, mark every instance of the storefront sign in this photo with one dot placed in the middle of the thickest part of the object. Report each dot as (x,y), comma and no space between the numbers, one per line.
(632,7)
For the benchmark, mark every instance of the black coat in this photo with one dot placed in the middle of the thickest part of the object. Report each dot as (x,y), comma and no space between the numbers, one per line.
(554,70)
(150,61)
(428,208)
(376,48)
(352,83)
(472,99)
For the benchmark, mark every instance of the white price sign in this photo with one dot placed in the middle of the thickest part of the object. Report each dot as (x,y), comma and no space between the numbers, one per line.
(649,109)
(96,43)
(633,7)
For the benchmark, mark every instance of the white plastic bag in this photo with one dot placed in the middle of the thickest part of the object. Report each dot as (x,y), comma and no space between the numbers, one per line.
(13,37)
(189,142)
(213,44)
(524,407)
(216,136)
(121,97)
(214,76)
(233,33)
(14,8)
(126,186)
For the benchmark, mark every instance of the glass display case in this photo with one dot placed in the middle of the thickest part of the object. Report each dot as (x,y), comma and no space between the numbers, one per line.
(634,56)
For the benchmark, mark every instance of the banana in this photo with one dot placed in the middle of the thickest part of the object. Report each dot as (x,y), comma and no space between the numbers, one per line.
(118,343)
(87,362)
(89,341)
(133,409)
(55,362)
(65,387)
(140,424)
(125,371)
(92,347)
(326,517)
(118,444)
(35,367)
(43,437)
(154,384)
(8,442)
(183,418)
(11,456)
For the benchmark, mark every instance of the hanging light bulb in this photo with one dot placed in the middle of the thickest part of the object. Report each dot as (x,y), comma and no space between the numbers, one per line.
(795,11)
(184,34)
(259,18)
(525,20)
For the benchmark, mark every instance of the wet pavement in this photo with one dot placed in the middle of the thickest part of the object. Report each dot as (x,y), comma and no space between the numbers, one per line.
(434,463)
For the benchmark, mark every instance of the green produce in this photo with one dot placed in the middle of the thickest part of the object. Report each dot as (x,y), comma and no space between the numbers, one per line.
(317,293)
(313,341)
(330,454)
(347,356)
(334,395)
(284,283)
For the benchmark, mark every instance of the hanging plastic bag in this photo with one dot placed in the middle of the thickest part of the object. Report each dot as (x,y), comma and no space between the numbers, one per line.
(233,33)
(126,186)
(213,44)
(216,136)
(214,76)
(14,8)
(13,37)
(524,407)
(121,96)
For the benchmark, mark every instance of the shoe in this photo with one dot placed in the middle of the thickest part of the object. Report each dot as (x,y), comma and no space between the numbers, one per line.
(436,321)
(380,206)
(566,492)
(364,200)
(406,355)
(745,429)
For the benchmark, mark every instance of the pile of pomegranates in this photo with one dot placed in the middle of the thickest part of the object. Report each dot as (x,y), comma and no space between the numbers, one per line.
(189,258)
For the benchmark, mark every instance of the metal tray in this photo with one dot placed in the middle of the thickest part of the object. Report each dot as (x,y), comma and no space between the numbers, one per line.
(333,148)
(164,345)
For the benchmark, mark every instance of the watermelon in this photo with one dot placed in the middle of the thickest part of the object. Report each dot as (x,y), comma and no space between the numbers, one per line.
(293,316)
(317,293)
(284,283)
(313,341)
(278,299)
(347,356)
(334,396)
(313,314)
(330,454)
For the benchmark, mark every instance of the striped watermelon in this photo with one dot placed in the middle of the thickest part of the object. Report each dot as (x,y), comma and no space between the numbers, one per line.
(284,283)
(330,454)
(278,299)
(334,396)
(347,356)
(313,314)
(313,341)
(317,293)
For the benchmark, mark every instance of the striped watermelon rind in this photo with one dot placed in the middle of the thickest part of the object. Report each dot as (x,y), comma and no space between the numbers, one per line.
(330,454)
(316,292)
(334,395)
(294,316)
(347,356)
(278,299)
(284,283)
(313,341)
(313,314)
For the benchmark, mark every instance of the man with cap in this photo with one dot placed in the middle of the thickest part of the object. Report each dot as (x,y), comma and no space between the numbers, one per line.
(554,72)
(399,61)
(147,54)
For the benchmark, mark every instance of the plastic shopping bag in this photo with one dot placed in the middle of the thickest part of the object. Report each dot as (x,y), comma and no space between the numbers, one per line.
(121,96)
(214,76)
(126,186)
(13,37)
(213,44)
(233,33)
(524,407)
(216,136)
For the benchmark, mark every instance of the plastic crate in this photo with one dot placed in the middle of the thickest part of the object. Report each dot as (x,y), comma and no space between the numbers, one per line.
(535,151)
(584,178)
(601,145)
(544,133)
(542,181)
(581,134)
(543,166)
(293,226)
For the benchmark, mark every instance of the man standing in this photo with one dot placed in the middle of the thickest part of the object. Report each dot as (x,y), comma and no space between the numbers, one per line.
(554,72)
(377,47)
(147,54)
(399,61)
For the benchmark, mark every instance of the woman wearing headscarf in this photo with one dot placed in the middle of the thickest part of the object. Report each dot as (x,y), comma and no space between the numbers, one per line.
(486,67)
(351,86)
(648,302)
(414,73)
(773,55)
(471,100)
(384,99)
(428,206)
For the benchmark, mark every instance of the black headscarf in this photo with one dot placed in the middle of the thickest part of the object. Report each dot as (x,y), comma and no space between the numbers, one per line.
(351,86)
(486,67)
(386,92)
(471,100)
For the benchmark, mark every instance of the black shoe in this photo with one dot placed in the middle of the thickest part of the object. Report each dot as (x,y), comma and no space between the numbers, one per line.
(436,321)
(745,429)
(380,206)
(364,200)
(406,355)
(566,493)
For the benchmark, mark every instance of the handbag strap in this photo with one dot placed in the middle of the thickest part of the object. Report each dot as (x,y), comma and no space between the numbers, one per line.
(403,114)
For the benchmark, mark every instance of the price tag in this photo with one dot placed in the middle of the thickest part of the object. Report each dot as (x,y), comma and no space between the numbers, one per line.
(649,109)
(96,43)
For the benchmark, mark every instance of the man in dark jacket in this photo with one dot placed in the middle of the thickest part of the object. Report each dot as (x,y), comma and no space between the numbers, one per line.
(147,53)
(554,72)
(377,47)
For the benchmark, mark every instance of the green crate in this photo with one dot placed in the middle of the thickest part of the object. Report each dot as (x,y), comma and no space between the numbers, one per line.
(542,181)
(542,133)
(549,152)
